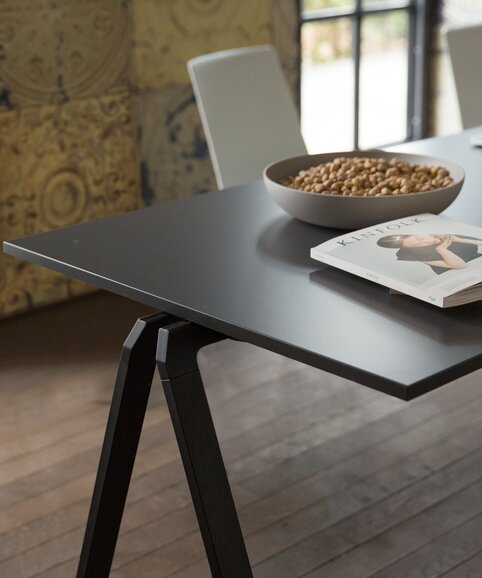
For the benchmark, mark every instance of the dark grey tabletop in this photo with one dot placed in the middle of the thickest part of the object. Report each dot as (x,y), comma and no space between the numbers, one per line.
(234,262)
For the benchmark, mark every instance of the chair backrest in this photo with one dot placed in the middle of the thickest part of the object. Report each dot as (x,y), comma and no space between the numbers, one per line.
(465,48)
(246,110)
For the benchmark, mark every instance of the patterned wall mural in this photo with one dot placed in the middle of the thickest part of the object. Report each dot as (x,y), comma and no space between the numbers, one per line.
(97,115)
(168,33)
(61,165)
(54,51)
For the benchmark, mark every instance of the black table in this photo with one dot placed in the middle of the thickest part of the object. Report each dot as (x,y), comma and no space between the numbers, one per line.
(232,264)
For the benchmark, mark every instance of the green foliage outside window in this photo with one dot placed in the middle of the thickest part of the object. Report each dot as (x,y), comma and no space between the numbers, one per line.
(332,40)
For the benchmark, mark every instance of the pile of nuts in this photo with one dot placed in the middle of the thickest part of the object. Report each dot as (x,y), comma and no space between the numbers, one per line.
(369,177)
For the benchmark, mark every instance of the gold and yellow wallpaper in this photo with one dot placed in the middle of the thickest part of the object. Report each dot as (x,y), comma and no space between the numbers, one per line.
(57,51)
(97,115)
(61,165)
(167,34)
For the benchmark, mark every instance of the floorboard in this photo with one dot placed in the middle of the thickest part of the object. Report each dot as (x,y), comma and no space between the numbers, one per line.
(331,479)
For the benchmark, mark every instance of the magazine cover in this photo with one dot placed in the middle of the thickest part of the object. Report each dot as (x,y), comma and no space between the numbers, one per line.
(426,256)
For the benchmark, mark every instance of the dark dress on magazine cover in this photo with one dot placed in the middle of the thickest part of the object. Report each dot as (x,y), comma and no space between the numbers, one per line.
(465,251)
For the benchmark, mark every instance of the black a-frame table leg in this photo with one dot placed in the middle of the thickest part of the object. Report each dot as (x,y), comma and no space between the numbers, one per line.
(177,343)
(124,425)
(177,351)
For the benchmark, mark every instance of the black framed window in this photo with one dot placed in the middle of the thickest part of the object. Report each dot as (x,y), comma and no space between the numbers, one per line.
(364,71)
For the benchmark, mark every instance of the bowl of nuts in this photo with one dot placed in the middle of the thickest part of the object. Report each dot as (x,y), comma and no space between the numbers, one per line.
(351,190)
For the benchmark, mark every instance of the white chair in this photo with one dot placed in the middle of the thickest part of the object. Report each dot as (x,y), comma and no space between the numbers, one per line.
(246,110)
(465,49)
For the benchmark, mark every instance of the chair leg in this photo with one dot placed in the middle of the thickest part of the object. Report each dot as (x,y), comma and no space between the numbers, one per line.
(177,351)
(124,425)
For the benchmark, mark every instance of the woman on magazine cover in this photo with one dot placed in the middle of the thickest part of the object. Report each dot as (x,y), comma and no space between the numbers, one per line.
(440,252)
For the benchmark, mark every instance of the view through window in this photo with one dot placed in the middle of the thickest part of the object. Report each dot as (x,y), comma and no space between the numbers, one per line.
(454,13)
(359,72)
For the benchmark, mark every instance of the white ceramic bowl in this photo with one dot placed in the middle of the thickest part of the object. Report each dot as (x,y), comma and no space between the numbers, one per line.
(344,212)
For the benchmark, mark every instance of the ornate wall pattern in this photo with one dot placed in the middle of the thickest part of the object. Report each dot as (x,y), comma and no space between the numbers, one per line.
(284,34)
(167,33)
(174,155)
(97,115)
(54,51)
(61,165)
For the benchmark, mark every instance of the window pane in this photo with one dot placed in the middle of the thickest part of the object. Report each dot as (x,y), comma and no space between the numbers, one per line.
(383,3)
(383,79)
(327,85)
(308,5)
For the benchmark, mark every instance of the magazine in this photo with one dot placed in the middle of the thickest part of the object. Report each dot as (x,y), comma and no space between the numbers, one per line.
(426,256)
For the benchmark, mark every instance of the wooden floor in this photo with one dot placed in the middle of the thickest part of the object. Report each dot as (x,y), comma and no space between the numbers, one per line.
(331,479)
